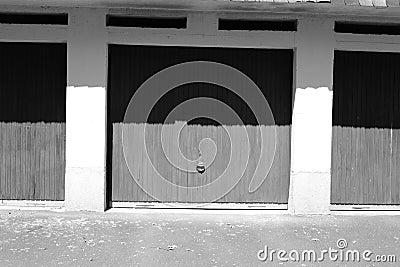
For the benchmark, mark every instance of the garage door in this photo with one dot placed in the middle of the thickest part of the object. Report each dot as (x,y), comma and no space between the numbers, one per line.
(131,66)
(366,135)
(32,120)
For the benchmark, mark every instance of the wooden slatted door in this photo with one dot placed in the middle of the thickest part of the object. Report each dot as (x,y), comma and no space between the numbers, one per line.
(130,66)
(366,130)
(32,121)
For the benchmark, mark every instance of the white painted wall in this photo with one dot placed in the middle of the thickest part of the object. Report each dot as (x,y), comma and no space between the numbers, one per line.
(310,179)
(88,37)
(85,148)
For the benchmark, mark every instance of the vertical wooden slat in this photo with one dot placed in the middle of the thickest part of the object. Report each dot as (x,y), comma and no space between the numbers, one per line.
(357,162)
(17,159)
(146,175)
(285,160)
(192,146)
(375,163)
(362,152)
(13,187)
(282,142)
(123,171)
(394,175)
(141,165)
(396,164)
(6,160)
(32,165)
(335,181)
(374,181)
(46,163)
(334,166)
(114,162)
(344,160)
(39,164)
(59,171)
(9,159)
(52,175)
(351,167)
(43,164)
(365,164)
(35,163)
(172,190)
(11,162)
(28,165)
(148,134)
(182,174)
(176,173)
(155,147)
(127,183)
(2,161)
(38,167)
(131,184)
(341,167)
(386,157)
(120,165)
(53,160)
(23,160)
(60,160)
(137,161)
(63,158)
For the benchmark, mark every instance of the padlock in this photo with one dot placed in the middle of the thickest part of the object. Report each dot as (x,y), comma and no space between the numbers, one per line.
(200,167)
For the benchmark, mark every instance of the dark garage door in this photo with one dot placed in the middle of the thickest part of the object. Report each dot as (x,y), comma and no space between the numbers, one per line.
(366,122)
(32,120)
(130,66)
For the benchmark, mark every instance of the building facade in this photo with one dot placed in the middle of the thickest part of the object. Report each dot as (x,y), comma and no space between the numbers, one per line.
(329,70)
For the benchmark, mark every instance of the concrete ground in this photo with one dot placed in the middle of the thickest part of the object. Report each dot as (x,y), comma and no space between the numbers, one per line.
(48,238)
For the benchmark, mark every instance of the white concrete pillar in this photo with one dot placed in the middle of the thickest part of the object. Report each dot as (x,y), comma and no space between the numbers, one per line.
(310,179)
(86,111)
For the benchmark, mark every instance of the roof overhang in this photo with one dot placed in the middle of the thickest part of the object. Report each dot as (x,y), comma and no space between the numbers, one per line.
(376,8)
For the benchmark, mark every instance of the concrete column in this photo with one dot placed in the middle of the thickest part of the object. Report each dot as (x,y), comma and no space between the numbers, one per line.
(86,111)
(203,23)
(310,178)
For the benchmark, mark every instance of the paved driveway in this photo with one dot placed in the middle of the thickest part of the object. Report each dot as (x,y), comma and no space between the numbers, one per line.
(47,238)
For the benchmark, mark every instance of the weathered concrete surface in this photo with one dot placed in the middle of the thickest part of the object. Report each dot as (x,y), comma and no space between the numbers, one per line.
(123,239)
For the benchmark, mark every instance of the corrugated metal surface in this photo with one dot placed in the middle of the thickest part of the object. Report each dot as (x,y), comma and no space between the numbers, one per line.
(130,66)
(32,120)
(366,118)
